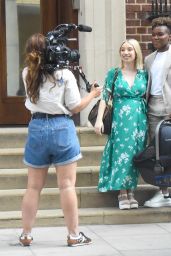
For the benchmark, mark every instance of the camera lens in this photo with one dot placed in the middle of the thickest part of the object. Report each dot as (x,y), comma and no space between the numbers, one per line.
(74,55)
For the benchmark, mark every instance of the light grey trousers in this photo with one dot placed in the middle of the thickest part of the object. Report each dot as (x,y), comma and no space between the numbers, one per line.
(156,113)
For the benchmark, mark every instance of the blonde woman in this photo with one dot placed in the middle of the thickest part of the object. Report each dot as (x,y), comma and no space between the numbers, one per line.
(129,125)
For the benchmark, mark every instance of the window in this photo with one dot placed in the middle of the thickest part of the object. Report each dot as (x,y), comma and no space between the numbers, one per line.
(22,20)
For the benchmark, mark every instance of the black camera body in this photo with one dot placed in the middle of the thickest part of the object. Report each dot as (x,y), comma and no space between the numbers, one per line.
(57,54)
(61,55)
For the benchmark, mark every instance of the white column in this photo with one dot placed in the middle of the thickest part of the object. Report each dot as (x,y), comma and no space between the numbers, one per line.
(99,48)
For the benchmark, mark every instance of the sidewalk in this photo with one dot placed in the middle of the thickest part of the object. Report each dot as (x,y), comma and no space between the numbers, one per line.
(108,240)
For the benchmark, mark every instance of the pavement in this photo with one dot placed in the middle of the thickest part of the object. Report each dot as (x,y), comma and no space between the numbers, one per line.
(108,240)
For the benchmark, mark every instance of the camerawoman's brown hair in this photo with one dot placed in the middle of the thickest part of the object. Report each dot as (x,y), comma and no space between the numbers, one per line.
(34,51)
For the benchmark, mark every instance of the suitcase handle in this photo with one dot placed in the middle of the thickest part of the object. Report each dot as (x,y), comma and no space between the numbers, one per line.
(157,140)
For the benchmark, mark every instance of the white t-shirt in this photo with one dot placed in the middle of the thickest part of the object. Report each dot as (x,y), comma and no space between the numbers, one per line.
(57,98)
(157,73)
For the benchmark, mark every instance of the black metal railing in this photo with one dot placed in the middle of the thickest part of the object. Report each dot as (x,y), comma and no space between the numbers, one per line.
(160,8)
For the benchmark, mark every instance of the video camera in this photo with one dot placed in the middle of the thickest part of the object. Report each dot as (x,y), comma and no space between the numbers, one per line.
(57,54)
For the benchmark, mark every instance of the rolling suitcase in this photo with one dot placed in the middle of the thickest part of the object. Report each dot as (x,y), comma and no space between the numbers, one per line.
(154,163)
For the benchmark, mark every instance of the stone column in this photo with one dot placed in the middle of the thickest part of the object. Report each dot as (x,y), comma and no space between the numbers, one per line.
(99,48)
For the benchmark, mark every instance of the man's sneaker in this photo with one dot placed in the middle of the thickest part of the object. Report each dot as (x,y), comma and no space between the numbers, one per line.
(124,203)
(158,200)
(81,240)
(25,239)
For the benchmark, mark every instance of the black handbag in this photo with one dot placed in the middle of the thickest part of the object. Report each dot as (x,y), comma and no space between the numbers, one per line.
(107,116)
(154,163)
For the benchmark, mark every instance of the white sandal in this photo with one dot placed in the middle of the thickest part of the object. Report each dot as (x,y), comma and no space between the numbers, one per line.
(124,203)
(133,202)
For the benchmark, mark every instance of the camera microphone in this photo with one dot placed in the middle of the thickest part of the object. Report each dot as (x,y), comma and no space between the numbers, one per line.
(84,28)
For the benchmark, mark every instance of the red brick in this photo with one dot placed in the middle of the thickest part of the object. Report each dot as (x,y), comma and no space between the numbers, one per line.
(130,15)
(130,1)
(133,23)
(141,1)
(143,15)
(146,8)
(146,38)
(131,30)
(142,30)
(145,23)
(133,8)
(137,37)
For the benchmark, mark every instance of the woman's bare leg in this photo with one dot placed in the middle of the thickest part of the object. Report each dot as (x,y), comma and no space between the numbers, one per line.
(66,176)
(36,181)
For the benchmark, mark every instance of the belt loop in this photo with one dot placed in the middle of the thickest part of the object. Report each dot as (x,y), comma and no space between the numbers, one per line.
(47,118)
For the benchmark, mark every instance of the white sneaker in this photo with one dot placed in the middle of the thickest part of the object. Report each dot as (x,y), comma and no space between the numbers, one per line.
(158,200)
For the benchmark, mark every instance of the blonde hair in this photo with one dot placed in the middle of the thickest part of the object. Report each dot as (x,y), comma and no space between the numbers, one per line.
(139,59)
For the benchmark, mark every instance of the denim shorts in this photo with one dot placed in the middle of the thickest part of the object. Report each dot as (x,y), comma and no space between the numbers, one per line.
(51,141)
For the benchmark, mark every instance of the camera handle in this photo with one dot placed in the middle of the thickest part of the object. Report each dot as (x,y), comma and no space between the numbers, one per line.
(81,73)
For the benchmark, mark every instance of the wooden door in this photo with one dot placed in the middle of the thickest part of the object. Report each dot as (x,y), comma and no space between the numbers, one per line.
(52,13)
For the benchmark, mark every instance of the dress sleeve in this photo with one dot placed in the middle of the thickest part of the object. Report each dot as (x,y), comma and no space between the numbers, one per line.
(107,89)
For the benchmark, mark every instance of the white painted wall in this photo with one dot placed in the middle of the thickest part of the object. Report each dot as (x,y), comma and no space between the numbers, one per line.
(99,49)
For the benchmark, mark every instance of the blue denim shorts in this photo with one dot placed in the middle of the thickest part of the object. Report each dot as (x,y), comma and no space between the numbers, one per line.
(51,141)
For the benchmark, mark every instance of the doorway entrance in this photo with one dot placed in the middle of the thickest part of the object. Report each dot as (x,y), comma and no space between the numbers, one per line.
(18,20)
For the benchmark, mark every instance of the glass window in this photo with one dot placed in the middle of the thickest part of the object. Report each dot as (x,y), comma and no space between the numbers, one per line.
(22,20)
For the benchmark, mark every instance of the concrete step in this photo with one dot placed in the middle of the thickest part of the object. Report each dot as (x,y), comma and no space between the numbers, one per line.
(16,137)
(88,197)
(94,207)
(13,157)
(88,216)
(17,178)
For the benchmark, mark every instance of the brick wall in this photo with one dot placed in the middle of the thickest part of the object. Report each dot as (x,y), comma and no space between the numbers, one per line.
(137,24)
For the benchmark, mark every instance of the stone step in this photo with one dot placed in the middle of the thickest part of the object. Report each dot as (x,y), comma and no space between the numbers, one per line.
(13,157)
(88,216)
(88,197)
(17,178)
(16,137)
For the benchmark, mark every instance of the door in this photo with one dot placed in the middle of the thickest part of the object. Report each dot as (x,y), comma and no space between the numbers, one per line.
(18,20)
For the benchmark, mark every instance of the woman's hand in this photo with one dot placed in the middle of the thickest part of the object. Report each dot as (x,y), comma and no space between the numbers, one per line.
(96,90)
(99,127)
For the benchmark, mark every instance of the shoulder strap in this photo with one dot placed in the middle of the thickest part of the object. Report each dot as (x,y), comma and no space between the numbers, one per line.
(114,79)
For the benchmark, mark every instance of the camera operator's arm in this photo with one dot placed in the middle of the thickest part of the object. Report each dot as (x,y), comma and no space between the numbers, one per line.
(99,123)
(95,92)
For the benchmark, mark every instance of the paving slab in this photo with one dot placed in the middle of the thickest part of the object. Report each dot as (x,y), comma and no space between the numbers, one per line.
(108,240)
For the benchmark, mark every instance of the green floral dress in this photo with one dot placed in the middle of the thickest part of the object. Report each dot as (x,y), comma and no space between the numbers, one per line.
(129,132)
